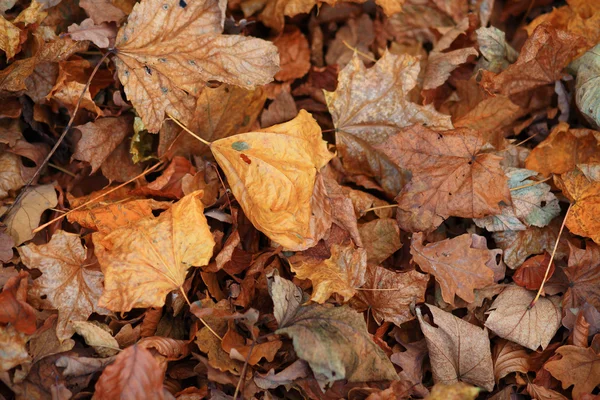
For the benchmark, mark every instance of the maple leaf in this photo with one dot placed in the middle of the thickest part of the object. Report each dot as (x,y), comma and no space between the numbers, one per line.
(512,318)
(68,284)
(451,176)
(272,174)
(583,273)
(458,267)
(134,374)
(334,341)
(168,48)
(579,367)
(342,273)
(146,260)
(458,350)
(389,295)
(369,106)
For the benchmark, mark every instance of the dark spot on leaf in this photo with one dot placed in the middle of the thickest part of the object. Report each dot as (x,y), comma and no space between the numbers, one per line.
(182,4)
(543,203)
(148,70)
(240,146)
(213,84)
(164,90)
(246,120)
(162,60)
(192,62)
(245,159)
(165,7)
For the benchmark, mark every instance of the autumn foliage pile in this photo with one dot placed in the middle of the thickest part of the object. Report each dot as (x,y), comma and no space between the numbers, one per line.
(318,199)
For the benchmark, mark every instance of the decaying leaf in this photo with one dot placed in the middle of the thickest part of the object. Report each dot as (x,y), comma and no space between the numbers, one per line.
(579,367)
(13,344)
(497,53)
(381,238)
(14,308)
(583,274)
(98,337)
(509,357)
(454,391)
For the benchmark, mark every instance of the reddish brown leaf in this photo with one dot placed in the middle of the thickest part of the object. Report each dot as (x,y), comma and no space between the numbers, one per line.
(14,309)
(530,275)
(583,273)
(579,367)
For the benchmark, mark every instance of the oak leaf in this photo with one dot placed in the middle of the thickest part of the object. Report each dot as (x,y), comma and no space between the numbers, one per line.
(134,375)
(583,273)
(369,106)
(168,48)
(451,176)
(68,284)
(390,295)
(14,308)
(272,174)
(579,367)
(145,261)
(342,273)
(458,350)
(512,317)
(458,267)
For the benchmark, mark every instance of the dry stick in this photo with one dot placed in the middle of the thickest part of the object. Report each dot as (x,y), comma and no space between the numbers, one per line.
(530,184)
(201,320)
(62,136)
(246,362)
(39,228)
(537,296)
(185,128)
(380,207)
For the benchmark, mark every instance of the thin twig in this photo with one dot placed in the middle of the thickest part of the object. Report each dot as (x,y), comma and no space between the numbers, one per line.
(185,128)
(380,207)
(243,374)
(61,169)
(357,51)
(201,320)
(530,184)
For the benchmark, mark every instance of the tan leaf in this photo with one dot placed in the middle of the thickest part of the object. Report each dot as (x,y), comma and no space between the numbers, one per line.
(389,295)
(457,266)
(70,286)
(272,174)
(511,317)
(356,35)
(381,238)
(458,350)
(294,55)
(25,216)
(103,10)
(100,138)
(342,273)
(440,66)
(145,261)
(10,38)
(509,357)
(98,337)
(369,106)
(579,367)
(134,375)
(169,48)
(583,274)
(102,35)
(10,174)
(452,176)
(456,391)
(541,393)
(12,78)
(33,14)
(12,343)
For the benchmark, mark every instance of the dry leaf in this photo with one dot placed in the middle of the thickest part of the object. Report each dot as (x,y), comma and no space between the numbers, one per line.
(511,317)
(583,274)
(68,284)
(452,176)
(497,53)
(579,367)
(134,374)
(455,391)
(272,173)
(531,274)
(297,370)
(103,10)
(10,174)
(390,295)
(509,357)
(12,343)
(381,238)
(102,35)
(342,273)
(458,350)
(411,362)
(294,55)
(440,66)
(14,309)
(145,261)
(168,48)
(356,36)
(458,267)
(97,337)
(10,38)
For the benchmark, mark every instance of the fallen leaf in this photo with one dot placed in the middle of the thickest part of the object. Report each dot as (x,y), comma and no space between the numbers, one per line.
(12,343)
(411,362)
(390,295)
(102,35)
(541,393)
(452,176)
(97,337)
(342,273)
(381,238)
(10,174)
(334,341)
(289,155)
(454,391)
(356,36)
(294,55)
(145,261)
(25,216)
(531,274)
(509,357)
(14,308)
(458,350)
(512,318)
(458,267)
(497,53)
(579,367)
(168,48)
(297,370)
(70,83)
(583,273)
(369,106)
(586,94)
(101,11)
(169,184)
(80,366)
(440,65)
(134,374)
(10,39)
(282,109)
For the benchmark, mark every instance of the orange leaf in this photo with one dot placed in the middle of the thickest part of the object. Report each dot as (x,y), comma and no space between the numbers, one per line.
(13,305)
(530,275)
(579,367)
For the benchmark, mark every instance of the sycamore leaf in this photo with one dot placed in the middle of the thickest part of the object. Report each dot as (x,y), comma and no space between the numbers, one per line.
(389,295)
(98,337)
(458,350)
(579,367)
(512,318)
(458,267)
(168,48)
(146,260)
(135,374)
(333,340)
(583,274)
(342,273)
(69,285)
(369,106)
(532,204)
(452,176)
(272,174)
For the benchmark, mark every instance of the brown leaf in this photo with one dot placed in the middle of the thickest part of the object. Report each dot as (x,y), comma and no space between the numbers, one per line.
(512,318)
(541,393)
(509,357)
(70,286)
(103,10)
(145,261)
(342,273)
(531,274)
(297,370)
(169,184)
(134,374)
(119,167)
(25,216)
(272,174)
(369,106)
(457,266)
(342,209)
(167,49)
(579,367)
(390,295)
(440,65)
(583,273)
(12,343)
(411,362)
(10,38)
(541,61)
(11,178)
(458,351)
(294,55)
(381,238)
(98,336)
(14,309)
(282,109)
(357,35)
(452,176)
(102,35)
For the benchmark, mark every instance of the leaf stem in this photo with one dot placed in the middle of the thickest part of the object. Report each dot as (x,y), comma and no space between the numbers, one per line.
(380,207)
(530,184)
(61,169)
(185,128)
(201,320)
(357,51)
